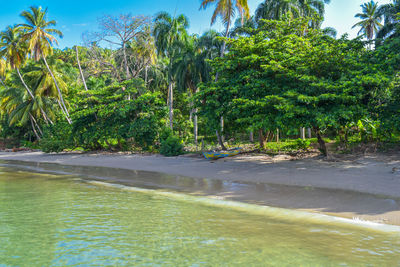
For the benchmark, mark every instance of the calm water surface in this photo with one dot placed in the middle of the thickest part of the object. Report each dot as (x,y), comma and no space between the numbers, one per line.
(50,220)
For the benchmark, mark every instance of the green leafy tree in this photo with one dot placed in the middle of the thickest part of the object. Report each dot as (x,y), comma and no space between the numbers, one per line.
(281,77)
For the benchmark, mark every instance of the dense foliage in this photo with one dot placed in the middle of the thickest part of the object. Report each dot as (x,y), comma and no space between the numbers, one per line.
(161,89)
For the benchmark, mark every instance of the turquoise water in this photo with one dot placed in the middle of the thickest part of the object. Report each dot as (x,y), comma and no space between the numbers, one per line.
(50,220)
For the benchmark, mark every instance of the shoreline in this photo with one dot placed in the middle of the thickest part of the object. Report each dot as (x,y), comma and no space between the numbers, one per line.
(362,189)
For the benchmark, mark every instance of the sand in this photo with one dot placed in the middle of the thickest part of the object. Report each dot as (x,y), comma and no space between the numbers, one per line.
(366,187)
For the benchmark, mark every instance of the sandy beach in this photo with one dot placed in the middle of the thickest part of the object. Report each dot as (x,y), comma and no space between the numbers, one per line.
(366,187)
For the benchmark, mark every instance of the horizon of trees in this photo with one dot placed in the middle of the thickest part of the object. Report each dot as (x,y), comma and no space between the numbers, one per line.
(272,73)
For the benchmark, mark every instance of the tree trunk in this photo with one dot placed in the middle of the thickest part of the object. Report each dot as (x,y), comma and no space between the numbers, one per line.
(224,45)
(309,133)
(171,105)
(80,69)
(251,137)
(277,135)
(303,133)
(33,127)
(321,142)
(195,123)
(220,141)
(145,75)
(261,138)
(195,127)
(222,129)
(128,76)
(58,90)
(37,125)
(46,118)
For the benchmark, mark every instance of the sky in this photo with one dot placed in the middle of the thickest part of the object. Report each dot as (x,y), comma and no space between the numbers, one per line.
(75,17)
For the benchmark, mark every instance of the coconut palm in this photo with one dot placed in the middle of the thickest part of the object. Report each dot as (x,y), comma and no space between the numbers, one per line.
(190,68)
(391,14)
(12,51)
(22,109)
(370,20)
(40,38)
(279,9)
(169,32)
(226,10)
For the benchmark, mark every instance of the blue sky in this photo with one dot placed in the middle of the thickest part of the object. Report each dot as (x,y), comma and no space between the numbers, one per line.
(77,16)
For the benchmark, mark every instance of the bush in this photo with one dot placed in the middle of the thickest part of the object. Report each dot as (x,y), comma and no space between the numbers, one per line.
(172,146)
(52,145)
(56,138)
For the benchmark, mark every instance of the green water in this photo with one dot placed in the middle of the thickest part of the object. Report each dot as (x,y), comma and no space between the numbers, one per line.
(49,220)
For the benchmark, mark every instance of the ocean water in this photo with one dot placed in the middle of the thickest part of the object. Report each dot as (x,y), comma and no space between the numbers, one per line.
(59,220)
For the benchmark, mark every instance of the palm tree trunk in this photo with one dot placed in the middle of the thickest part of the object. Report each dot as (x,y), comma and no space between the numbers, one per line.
(195,122)
(219,137)
(303,133)
(223,45)
(171,105)
(58,90)
(277,135)
(80,69)
(36,124)
(33,128)
(196,127)
(46,118)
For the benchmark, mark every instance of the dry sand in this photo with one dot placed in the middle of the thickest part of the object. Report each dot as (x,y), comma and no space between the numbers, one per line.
(366,187)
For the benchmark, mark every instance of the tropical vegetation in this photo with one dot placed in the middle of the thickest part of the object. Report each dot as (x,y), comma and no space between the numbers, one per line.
(276,74)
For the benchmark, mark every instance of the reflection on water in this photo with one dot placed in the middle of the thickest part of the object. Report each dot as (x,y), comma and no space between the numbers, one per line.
(52,220)
(344,203)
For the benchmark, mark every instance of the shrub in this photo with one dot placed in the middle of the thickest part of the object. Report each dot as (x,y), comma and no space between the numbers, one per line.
(172,146)
(56,138)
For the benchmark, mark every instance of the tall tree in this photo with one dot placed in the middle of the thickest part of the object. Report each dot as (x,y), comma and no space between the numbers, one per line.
(40,38)
(391,14)
(169,32)
(370,20)
(226,10)
(279,9)
(13,51)
(120,31)
(191,68)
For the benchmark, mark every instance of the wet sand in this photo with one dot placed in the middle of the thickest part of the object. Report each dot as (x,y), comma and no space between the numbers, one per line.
(365,188)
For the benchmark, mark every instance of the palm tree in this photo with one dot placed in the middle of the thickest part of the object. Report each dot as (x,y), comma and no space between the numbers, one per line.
(12,51)
(39,38)
(391,14)
(169,32)
(370,20)
(226,10)
(190,68)
(22,108)
(279,9)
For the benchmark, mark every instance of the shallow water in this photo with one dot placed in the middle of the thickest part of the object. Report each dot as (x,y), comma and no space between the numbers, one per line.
(53,220)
